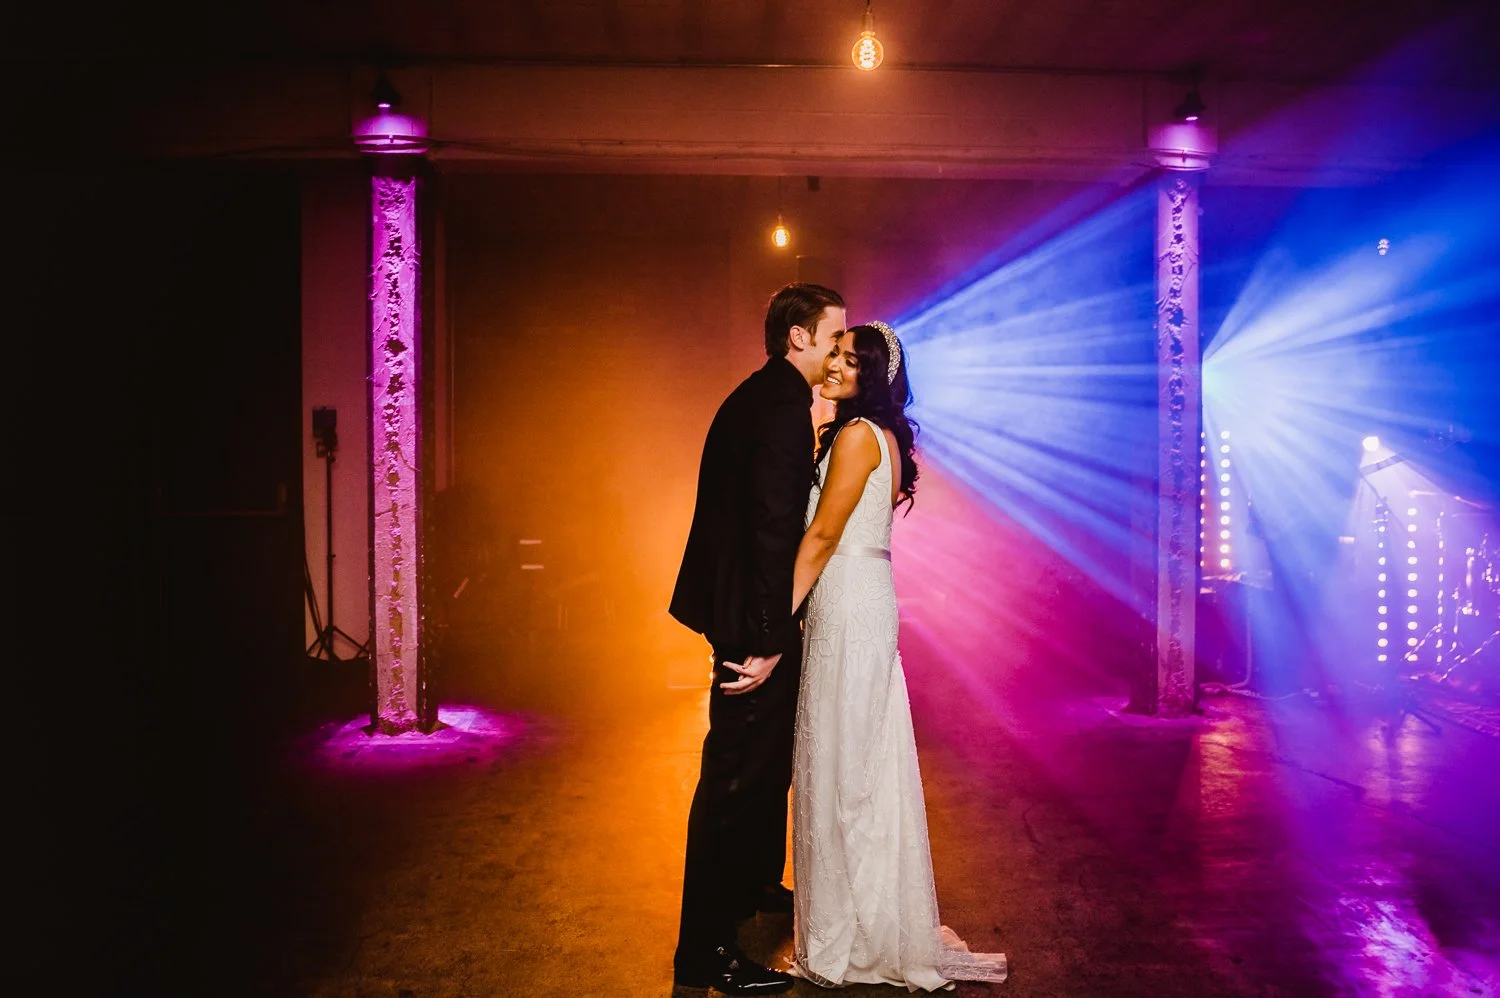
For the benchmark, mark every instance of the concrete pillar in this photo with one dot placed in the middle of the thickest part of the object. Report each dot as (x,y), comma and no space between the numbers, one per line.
(399,412)
(1183,152)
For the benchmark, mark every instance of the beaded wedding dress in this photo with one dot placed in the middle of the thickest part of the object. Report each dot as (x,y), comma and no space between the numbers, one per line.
(866,908)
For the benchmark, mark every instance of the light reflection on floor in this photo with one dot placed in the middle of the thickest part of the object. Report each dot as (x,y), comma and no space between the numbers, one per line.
(1399,954)
(465,733)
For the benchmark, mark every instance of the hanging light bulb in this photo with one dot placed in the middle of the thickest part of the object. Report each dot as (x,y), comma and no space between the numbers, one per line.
(867,53)
(781,236)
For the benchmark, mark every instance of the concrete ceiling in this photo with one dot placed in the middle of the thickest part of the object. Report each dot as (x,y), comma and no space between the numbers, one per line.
(1294,41)
(1300,90)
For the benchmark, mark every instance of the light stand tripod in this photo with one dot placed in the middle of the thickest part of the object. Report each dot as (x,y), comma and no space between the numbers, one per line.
(325,432)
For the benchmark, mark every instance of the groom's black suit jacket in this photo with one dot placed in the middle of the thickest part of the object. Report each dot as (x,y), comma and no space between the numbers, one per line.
(735,583)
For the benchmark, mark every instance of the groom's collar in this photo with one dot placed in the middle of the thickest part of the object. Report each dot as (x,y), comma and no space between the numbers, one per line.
(785,371)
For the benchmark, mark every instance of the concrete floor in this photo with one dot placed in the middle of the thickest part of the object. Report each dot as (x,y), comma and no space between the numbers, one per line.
(1292,848)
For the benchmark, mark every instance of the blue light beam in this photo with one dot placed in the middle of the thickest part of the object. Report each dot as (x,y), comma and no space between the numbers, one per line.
(1035,386)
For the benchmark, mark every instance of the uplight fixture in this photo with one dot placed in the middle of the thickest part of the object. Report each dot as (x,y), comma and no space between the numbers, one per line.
(384,96)
(1191,108)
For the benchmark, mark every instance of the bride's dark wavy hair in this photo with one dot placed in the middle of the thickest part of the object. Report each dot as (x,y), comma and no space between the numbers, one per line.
(882,402)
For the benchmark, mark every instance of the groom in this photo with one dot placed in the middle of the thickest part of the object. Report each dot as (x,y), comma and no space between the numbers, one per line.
(735,588)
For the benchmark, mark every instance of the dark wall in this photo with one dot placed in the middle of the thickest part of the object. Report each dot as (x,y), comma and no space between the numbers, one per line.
(162,542)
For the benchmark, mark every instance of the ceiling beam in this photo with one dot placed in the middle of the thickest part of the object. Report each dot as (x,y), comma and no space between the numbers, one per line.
(922,123)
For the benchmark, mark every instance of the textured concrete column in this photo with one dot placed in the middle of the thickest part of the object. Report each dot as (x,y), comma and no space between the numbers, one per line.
(399,412)
(1183,151)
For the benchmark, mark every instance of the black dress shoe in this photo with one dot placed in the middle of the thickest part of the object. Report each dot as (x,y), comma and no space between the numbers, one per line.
(775,899)
(730,971)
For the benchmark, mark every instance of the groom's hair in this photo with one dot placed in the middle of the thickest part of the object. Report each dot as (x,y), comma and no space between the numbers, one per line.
(797,304)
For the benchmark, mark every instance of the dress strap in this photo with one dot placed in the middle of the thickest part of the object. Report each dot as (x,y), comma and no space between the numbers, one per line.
(885,453)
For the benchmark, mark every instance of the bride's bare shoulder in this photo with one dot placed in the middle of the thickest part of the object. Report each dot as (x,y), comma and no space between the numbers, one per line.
(855,444)
(868,429)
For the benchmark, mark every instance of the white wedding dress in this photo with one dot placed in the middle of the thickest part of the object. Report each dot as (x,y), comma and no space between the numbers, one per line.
(866,908)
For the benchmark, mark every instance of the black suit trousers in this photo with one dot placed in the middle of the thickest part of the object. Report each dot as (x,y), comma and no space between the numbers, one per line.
(736,839)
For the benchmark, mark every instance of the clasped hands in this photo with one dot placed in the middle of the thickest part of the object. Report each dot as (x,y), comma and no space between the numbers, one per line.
(754,671)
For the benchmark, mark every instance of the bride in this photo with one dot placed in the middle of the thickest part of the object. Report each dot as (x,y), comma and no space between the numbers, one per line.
(866,909)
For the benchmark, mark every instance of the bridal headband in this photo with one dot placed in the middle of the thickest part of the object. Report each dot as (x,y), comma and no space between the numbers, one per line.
(893,346)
